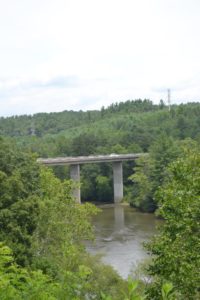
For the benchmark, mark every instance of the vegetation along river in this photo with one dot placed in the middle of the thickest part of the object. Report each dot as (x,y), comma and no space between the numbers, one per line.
(120,232)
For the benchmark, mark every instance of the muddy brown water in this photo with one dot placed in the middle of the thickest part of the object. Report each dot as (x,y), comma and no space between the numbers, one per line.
(120,233)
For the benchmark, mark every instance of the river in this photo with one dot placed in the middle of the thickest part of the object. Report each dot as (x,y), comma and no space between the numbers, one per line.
(120,232)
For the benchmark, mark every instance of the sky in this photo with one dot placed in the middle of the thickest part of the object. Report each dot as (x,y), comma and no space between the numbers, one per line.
(60,55)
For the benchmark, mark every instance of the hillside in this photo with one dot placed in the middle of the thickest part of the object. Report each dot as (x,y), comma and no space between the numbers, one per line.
(52,123)
(132,125)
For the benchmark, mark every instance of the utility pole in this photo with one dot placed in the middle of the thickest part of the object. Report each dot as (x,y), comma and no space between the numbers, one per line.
(169,98)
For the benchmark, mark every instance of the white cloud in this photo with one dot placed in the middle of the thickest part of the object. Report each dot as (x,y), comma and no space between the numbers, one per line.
(137,48)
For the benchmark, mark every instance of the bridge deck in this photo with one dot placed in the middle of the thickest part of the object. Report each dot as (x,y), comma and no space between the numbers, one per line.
(88,159)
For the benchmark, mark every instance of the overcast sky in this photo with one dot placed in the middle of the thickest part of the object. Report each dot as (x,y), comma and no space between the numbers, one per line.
(84,54)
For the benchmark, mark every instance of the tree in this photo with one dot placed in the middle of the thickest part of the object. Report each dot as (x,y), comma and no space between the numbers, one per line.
(150,172)
(140,194)
(176,250)
(104,190)
(19,197)
(84,144)
(62,225)
(20,283)
(161,104)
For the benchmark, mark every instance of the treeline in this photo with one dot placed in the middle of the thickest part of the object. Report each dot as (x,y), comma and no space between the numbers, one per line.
(52,123)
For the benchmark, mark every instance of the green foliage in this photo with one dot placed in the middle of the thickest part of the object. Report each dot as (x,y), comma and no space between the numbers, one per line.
(103,280)
(151,171)
(89,174)
(19,283)
(167,291)
(19,181)
(140,194)
(43,123)
(176,250)
(61,227)
(118,149)
(122,123)
(104,191)
(105,297)
(132,293)
(96,182)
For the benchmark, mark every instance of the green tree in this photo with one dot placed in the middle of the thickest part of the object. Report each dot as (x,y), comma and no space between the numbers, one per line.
(19,197)
(151,171)
(140,193)
(20,283)
(89,173)
(104,190)
(62,225)
(176,250)
(118,149)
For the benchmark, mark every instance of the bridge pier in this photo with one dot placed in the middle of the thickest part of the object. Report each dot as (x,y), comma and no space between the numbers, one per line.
(75,176)
(75,162)
(118,181)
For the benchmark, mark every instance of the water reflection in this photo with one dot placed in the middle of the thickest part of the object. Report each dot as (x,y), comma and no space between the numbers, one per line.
(120,233)
(119,217)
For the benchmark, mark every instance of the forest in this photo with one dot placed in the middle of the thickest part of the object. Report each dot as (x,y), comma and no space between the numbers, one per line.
(42,255)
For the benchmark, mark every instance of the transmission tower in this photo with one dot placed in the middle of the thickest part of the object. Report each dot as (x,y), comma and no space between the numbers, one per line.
(169,98)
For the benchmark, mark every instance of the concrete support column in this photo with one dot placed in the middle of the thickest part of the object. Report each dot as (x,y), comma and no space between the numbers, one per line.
(118,181)
(75,176)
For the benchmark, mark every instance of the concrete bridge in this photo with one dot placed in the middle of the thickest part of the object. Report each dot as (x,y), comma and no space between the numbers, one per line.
(75,163)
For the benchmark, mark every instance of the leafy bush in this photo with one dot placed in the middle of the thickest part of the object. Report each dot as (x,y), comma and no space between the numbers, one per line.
(176,250)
